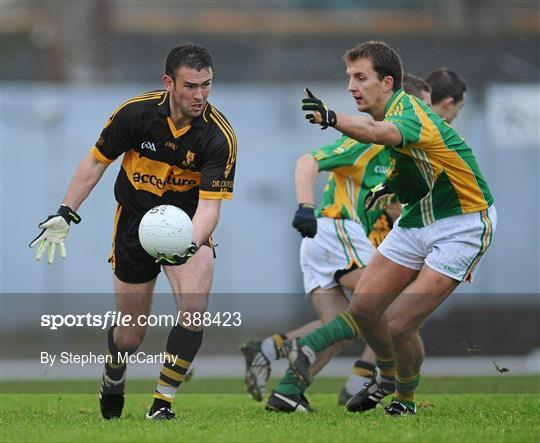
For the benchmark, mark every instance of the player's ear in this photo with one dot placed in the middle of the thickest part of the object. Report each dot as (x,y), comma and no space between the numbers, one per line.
(168,82)
(446,102)
(388,83)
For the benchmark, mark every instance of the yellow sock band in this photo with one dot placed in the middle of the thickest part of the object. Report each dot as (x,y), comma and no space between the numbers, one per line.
(351,322)
(406,387)
(362,372)
(386,367)
(404,396)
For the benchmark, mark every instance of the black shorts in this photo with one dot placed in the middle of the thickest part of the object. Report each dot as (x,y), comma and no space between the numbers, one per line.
(130,262)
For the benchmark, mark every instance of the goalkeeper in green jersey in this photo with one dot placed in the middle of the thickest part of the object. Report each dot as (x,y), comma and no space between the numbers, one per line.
(339,239)
(447,223)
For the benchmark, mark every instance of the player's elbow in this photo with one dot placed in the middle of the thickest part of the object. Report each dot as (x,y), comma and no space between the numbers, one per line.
(305,159)
(371,132)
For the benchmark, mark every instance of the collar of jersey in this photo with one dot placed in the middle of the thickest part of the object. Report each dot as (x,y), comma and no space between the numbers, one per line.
(198,122)
(177,132)
(393,101)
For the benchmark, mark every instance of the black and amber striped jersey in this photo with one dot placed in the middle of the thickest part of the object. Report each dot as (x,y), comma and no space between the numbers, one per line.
(165,165)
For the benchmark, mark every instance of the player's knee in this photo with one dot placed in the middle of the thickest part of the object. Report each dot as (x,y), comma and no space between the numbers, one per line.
(194,305)
(361,311)
(192,312)
(129,341)
(402,330)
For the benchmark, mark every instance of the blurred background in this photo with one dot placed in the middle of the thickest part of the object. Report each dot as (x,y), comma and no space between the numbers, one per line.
(66,65)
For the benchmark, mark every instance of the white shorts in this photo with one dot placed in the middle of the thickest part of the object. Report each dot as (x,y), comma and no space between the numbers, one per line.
(338,245)
(452,246)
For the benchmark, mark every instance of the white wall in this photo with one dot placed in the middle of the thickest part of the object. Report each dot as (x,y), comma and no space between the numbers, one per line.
(46,130)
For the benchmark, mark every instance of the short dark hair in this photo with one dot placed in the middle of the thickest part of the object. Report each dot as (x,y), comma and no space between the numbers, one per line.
(415,85)
(190,55)
(385,60)
(445,83)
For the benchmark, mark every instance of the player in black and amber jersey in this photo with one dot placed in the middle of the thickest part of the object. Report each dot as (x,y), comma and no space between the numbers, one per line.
(177,149)
(163,164)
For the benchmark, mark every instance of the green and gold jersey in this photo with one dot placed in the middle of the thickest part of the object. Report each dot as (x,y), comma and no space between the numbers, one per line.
(354,168)
(433,172)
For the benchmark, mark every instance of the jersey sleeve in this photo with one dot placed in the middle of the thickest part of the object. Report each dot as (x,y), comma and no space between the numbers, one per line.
(217,173)
(343,152)
(115,137)
(403,116)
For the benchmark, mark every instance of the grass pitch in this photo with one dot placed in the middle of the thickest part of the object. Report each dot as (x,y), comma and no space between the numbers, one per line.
(205,413)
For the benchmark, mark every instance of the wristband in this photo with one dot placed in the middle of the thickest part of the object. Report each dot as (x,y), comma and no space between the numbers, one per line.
(69,215)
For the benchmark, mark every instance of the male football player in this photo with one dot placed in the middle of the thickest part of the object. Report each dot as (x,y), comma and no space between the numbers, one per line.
(345,236)
(177,149)
(446,226)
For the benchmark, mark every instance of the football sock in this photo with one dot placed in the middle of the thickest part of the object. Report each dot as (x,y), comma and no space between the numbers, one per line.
(271,347)
(387,369)
(342,327)
(289,385)
(182,346)
(405,389)
(361,374)
(114,367)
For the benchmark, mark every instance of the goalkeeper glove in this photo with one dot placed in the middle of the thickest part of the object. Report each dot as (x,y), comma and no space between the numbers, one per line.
(176,259)
(378,197)
(304,220)
(54,229)
(321,115)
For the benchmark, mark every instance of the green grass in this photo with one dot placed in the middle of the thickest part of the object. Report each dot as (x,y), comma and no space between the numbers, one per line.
(218,417)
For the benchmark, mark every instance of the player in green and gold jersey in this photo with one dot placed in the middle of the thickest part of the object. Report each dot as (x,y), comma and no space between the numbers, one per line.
(446,226)
(345,237)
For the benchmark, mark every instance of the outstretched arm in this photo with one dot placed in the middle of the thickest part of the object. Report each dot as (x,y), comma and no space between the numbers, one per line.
(366,130)
(358,127)
(55,228)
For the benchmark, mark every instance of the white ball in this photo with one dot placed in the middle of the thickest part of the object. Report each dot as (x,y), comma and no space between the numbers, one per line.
(165,230)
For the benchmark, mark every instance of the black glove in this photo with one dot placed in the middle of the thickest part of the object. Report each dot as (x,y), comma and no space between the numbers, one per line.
(378,197)
(305,221)
(322,115)
(176,259)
